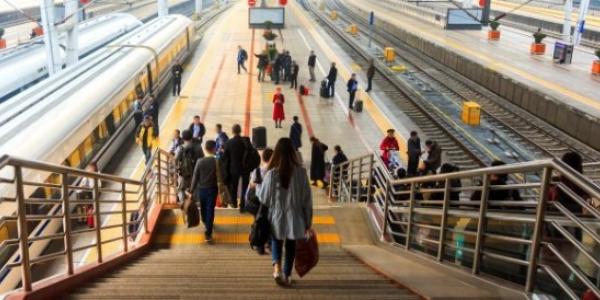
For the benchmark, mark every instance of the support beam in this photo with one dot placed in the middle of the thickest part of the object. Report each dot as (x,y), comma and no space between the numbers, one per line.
(198,7)
(72,47)
(53,55)
(583,9)
(566,30)
(485,13)
(162,7)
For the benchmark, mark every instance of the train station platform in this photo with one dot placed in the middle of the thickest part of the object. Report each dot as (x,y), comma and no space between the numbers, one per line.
(354,264)
(572,84)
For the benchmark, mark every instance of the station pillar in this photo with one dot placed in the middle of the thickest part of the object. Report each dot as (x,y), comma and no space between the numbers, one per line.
(198,8)
(583,9)
(53,56)
(162,7)
(71,23)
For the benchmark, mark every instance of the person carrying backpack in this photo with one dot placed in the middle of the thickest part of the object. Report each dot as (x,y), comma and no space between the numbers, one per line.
(205,186)
(186,159)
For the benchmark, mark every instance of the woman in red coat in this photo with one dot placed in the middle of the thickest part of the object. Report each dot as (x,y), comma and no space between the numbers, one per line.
(278,113)
(388,144)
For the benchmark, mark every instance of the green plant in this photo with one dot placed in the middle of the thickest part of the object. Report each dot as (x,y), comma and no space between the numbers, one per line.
(538,36)
(269,35)
(268,25)
(494,25)
(1,32)
(598,53)
(272,53)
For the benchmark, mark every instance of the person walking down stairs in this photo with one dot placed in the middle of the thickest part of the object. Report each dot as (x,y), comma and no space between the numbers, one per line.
(204,185)
(286,192)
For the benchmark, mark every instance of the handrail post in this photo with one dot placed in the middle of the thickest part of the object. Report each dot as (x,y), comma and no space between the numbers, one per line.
(386,208)
(159,174)
(411,201)
(485,192)
(351,165)
(23,231)
(67,223)
(332,180)
(145,203)
(98,221)
(359,181)
(124,216)
(537,231)
(340,182)
(440,254)
(370,180)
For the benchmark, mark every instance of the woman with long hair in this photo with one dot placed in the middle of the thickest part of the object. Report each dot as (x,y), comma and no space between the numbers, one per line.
(286,192)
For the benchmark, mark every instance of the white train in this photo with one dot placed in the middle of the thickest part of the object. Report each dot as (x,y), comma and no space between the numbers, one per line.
(25,65)
(85,114)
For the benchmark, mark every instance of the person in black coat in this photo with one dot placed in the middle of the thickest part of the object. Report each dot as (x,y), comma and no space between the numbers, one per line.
(287,66)
(331,78)
(277,66)
(177,71)
(370,75)
(352,87)
(312,61)
(296,134)
(414,153)
(294,75)
(233,168)
(197,128)
(317,161)
(263,62)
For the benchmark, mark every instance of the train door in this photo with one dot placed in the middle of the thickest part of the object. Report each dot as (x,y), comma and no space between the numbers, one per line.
(187,38)
(150,82)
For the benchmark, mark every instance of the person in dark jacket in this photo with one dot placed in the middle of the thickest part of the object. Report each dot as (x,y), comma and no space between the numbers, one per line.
(317,162)
(294,75)
(277,66)
(191,150)
(370,75)
(454,183)
(339,156)
(287,66)
(220,140)
(197,128)
(331,78)
(312,62)
(241,58)
(150,108)
(263,62)
(434,157)
(413,145)
(352,87)
(495,194)
(296,134)
(233,166)
(177,71)
(204,185)
(573,160)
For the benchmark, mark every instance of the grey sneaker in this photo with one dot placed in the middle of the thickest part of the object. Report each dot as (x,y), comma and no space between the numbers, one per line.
(279,278)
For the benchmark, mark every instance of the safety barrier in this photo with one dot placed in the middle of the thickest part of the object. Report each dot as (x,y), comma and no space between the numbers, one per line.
(116,208)
(469,218)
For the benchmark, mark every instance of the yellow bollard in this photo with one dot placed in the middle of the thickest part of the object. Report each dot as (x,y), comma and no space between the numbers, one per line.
(389,54)
(353,29)
(471,114)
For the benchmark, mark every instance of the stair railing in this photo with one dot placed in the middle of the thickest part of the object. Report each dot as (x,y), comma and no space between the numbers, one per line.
(116,210)
(467,218)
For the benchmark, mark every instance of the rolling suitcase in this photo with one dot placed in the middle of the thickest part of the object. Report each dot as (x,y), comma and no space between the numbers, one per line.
(259,137)
(324,90)
(358,106)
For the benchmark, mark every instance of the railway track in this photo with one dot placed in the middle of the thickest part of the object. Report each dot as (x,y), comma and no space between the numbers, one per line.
(522,128)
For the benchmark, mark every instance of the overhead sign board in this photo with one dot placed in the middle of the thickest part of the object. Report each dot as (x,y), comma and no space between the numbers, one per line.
(258,16)
(464,18)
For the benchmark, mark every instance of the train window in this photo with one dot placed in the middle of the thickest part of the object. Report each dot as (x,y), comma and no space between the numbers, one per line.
(124,108)
(75,159)
(116,115)
(102,131)
(88,146)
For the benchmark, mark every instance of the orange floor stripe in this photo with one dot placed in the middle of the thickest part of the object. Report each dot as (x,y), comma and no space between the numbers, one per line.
(305,115)
(213,88)
(249,92)
(227,238)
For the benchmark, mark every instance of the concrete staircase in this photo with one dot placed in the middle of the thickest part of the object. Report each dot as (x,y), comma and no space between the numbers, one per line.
(185,268)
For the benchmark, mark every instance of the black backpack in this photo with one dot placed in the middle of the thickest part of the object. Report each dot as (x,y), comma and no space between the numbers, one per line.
(253,204)
(187,162)
(260,232)
(251,159)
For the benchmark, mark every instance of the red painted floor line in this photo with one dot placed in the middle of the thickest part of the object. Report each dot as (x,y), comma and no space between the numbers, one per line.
(213,88)
(305,115)
(249,91)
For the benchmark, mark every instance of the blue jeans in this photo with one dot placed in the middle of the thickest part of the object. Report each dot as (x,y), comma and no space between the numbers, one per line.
(147,153)
(208,200)
(290,254)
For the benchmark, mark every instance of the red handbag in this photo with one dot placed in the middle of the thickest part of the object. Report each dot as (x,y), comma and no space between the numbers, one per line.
(307,253)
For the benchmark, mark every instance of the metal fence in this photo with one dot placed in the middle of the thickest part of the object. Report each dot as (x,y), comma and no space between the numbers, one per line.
(532,223)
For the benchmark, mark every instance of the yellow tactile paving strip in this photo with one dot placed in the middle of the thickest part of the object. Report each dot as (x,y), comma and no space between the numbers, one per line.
(227,238)
(241,220)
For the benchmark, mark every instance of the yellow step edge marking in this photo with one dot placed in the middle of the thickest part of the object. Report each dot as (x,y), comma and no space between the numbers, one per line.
(228,238)
(243,220)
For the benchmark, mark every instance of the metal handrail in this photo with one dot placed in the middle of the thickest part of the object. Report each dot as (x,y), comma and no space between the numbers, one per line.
(424,225)
(146,192)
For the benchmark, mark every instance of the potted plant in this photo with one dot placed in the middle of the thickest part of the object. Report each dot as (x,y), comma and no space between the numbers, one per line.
(596,64)
(2,41)
(494,33)
(537,47)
